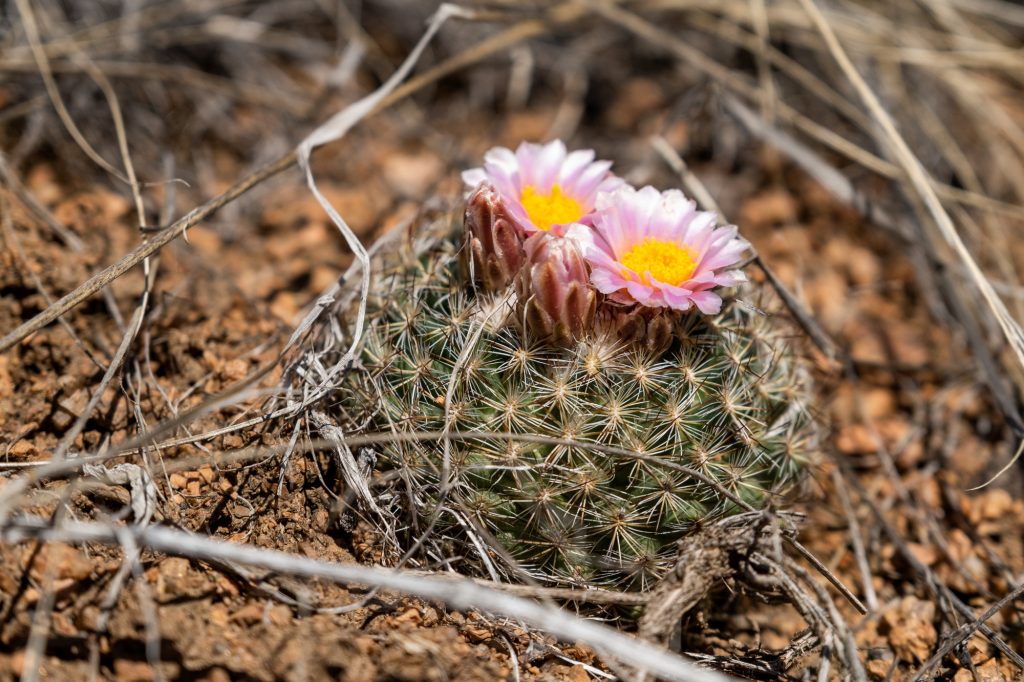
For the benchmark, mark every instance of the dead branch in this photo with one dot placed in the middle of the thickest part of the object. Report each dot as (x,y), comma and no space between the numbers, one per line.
(459,593)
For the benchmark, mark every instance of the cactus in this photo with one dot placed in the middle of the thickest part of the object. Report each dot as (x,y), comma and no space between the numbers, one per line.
(725,396)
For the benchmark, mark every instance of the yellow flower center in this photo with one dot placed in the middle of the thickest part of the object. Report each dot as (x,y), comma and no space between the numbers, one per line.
(547,210)
(667,262)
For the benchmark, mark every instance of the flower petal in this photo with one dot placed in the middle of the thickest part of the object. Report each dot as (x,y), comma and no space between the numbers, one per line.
(644,294)
(474,177)
(680,299)
(591,178)
(540,163)
(707,302)
(575,166)
(607,281)
(501,156)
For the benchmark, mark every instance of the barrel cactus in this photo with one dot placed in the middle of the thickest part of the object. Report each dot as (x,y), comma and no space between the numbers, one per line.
(606,400)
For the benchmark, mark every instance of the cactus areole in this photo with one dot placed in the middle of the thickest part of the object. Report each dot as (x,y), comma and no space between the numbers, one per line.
(618,338)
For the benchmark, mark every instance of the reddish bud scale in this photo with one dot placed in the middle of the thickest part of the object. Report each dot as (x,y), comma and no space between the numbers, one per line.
(493,243)
(651,329)
(555,299)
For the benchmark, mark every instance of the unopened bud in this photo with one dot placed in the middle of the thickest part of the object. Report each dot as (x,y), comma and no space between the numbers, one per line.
(493,243)
(556,300)
(651,329)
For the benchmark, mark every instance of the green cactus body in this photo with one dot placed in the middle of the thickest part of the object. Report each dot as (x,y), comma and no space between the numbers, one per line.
(727,400)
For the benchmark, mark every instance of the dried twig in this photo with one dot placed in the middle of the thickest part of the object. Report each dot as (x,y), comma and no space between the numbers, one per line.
(964,632)
(457,593)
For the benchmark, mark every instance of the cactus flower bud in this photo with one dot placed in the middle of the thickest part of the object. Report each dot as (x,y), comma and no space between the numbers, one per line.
(652,329)
(493,243)
(556,301)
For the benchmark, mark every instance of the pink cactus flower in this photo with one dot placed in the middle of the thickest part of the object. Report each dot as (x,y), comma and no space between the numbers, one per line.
(656,249)
(544,187)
